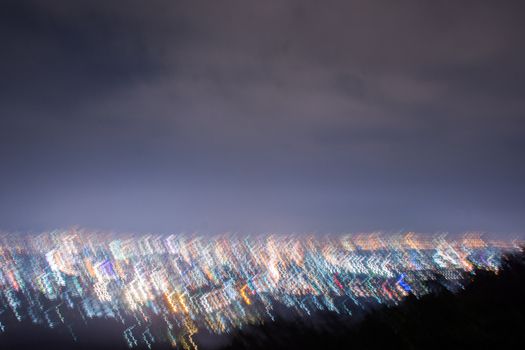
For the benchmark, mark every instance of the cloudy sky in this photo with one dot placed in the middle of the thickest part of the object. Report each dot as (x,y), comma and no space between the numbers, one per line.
(262,116)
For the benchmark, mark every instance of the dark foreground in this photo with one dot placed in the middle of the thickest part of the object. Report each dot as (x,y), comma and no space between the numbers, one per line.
(489,313)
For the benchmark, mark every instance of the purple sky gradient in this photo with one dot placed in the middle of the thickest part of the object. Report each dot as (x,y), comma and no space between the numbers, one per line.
(260,116)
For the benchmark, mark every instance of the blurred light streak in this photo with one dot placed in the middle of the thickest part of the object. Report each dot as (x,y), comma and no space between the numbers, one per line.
(221,283)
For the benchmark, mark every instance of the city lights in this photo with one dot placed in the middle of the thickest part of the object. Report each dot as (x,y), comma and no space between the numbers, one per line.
(221,283)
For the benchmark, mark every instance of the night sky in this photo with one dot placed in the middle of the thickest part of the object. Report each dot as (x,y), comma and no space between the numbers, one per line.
(262,116)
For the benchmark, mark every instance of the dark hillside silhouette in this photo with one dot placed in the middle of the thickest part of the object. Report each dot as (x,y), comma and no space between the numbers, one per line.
(489,313)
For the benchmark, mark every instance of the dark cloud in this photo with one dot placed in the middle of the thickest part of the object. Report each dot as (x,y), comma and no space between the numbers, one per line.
(250,115)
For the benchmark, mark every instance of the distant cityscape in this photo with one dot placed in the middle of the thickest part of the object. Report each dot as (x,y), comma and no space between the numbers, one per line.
(189,283)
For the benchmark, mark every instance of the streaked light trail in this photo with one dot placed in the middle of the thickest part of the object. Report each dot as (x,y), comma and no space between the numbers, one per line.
(221,283)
